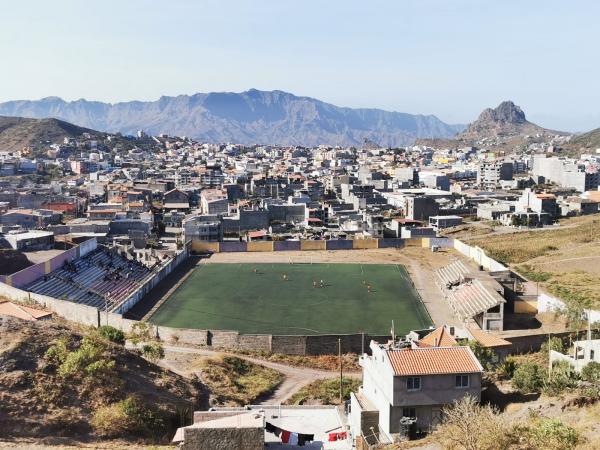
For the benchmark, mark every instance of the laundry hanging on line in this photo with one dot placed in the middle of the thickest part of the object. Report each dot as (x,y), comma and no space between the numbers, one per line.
(338,436)
(289,437)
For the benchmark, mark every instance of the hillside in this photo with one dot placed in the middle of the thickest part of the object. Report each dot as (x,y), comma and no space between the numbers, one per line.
(563,260)
(590,140)
(270,117)
(506,120)
(19,132)
(504,127)
(57,381)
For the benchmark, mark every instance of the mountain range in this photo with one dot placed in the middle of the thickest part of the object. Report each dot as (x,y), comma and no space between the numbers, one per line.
(250,117)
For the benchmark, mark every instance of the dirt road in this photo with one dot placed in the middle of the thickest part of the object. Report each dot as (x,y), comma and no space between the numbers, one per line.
(294,377)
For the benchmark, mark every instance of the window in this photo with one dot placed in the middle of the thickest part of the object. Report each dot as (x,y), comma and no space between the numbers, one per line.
(409,412)
(413,383)
(462,381)
(592,355)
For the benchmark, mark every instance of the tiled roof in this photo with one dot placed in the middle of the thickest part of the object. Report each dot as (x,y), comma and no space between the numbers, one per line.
(433,361)
(438,338)
(22,312)
(487,339)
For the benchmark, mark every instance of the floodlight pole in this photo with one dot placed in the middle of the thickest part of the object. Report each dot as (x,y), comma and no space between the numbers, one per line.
(341,373)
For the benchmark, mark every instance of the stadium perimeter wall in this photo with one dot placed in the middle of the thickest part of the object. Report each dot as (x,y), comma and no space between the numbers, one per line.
(32,273)
(198,246)
(224,339)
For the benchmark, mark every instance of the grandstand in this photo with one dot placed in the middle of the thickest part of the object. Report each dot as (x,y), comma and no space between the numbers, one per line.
(473,296)
(451,275)
(101,278)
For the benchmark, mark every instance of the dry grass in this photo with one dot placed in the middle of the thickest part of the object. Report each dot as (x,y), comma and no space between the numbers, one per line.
(520,247)
(564,260)
(236,382)
(322,362)
(324,392)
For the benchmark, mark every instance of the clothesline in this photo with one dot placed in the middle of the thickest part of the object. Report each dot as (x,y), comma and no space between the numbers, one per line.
(289,437)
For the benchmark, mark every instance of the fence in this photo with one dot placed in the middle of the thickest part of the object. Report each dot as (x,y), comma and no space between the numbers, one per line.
(199,246)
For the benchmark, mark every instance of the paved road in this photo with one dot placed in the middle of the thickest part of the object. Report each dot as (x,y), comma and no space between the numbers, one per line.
(294,377)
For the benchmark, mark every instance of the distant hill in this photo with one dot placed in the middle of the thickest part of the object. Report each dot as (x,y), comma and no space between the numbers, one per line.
(268,117)
(590,140)
(19,132)
(506,120)
(504,127)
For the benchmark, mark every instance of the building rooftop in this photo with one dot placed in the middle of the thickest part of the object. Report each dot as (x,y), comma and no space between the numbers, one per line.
(433,361)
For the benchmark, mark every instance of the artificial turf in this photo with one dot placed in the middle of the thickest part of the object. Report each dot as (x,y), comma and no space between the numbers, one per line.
(255,298)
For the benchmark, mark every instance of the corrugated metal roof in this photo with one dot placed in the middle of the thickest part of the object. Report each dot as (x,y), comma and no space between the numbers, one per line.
(433,361)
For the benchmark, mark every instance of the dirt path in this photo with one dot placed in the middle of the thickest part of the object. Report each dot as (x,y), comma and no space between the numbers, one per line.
(295,378)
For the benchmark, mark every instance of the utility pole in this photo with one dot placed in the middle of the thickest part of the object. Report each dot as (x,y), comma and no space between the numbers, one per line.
(341,373)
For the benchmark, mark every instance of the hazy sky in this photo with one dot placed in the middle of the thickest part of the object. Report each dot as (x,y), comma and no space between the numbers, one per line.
(451,58)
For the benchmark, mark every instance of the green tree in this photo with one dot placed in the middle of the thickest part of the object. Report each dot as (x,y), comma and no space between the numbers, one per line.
(591,372)
(485,355)
(529,377)
(112,334)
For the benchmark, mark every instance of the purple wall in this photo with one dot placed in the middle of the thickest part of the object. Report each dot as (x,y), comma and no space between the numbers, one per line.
(339,244)
(58,261)
(232,246)
(286,246)
(28,275)
(391,243)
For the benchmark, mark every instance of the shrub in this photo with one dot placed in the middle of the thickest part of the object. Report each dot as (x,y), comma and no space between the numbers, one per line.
(57,352)
(507,368)
(140,332)
(553,343)
(591,372)
(128,416)
(112,334)
(470,426)
(552,434)
(529,377)
(486,356)
(110,421)
(561,377)
(153,351)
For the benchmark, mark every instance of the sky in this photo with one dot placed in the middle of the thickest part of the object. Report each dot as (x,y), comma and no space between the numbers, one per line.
(451,58)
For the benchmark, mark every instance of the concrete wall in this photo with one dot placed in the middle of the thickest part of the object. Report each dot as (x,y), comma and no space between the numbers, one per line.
(223,439)
(260,246)
(313,245)
(286,246)
(478,255)
(391,243)
(364,243)
(304,245)
(232,246)
(204,246)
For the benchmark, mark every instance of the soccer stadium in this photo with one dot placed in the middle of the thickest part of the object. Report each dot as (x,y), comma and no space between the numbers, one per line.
(295,299)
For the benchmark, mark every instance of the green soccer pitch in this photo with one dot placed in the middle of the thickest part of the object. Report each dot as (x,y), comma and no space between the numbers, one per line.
(282,299)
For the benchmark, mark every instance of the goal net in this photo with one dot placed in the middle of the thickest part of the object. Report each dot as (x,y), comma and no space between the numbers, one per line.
(301,259)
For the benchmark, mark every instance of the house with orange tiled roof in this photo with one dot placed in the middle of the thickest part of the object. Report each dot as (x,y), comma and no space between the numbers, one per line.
(406,386)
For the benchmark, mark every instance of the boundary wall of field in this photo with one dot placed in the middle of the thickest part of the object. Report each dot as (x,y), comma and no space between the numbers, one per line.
(199,246)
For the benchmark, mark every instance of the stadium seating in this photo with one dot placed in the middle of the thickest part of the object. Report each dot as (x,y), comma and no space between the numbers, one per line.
(102,279)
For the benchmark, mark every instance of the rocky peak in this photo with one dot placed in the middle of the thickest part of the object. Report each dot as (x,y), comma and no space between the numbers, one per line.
(507,112)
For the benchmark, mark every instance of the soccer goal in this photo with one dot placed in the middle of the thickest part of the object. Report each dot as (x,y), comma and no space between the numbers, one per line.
(301,259)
